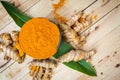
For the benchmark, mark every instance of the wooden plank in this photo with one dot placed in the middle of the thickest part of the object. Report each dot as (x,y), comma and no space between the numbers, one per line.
(101,28)
(26,77)
(41,9)
(7,64)
(114,75)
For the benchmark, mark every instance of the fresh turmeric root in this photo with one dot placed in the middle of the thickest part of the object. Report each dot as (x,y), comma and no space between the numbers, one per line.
(72,34)
(79,22)
(71,37)
(43,74)
(76,55)
(11,52)
(74,18)
(6,45)
(82,23)
(73,27)
(42,69)
(33,70)
(6,38)
(15,37)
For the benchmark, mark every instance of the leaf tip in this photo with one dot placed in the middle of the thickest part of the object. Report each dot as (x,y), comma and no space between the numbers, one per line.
(94,74)
(2,1)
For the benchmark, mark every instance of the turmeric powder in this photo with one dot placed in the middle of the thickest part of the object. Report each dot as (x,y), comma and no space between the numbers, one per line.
(39,38)
(56,7)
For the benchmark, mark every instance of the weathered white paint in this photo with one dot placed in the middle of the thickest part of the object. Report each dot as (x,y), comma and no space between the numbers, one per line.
(106,39)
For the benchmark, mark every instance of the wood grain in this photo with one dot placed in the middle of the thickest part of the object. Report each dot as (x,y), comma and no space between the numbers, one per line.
(103,36)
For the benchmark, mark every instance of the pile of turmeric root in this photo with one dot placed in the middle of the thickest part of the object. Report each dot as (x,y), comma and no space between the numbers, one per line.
(9,46)
(43,69)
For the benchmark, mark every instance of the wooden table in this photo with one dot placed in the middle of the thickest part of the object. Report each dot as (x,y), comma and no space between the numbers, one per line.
(104,37)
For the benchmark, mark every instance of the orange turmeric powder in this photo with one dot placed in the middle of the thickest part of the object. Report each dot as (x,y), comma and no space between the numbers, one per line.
(39,38)
(56,8)
(95,17)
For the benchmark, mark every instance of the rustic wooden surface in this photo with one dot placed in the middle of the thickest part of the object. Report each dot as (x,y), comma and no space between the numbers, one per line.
(104,36)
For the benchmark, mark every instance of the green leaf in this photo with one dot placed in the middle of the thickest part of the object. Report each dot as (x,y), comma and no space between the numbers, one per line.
(63,48)
(17,16)
(20,19)
(82,66)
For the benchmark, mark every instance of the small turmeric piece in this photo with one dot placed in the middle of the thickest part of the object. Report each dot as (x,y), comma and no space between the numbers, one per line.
(11,52)
(95,17)
(40,73)
(39,38)
(6,45)
(34,70)
(44,74)
(47,74)
(74,18)
(82,22)
(15,37)
(56,7)
(6,38)
(76,55)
